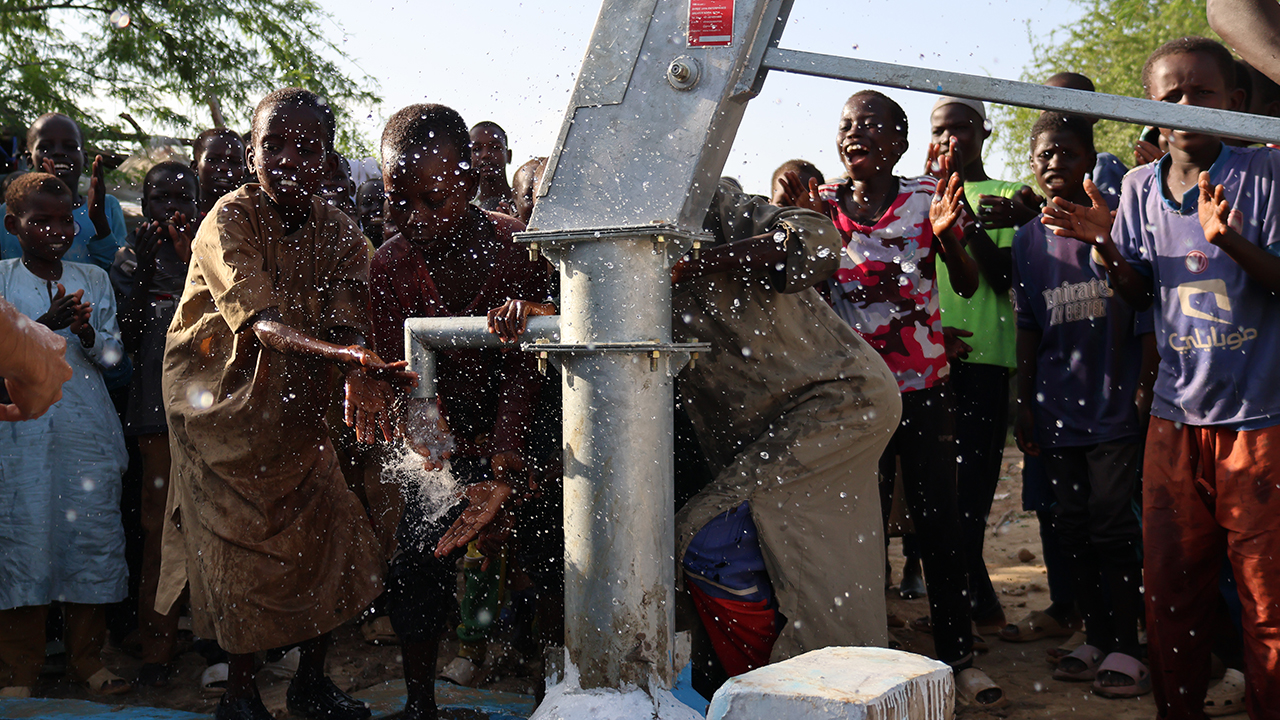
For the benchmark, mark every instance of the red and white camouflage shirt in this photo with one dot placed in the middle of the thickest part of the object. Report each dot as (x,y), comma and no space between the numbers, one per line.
(886,285)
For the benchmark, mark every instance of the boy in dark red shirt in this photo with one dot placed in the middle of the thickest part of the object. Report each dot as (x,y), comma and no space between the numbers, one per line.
(449,258)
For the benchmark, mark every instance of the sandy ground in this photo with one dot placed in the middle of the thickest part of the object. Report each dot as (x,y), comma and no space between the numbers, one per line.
(1021,669)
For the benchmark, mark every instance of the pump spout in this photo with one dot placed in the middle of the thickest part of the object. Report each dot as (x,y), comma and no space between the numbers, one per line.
(423,336)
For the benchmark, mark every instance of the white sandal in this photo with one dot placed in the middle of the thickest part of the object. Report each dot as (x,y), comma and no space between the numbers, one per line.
(972,682)
(213,681)
(1227,697)
(284,668)
(105,682)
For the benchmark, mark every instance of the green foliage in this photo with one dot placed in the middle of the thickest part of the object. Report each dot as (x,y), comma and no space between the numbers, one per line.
(1109,44)
(164,67)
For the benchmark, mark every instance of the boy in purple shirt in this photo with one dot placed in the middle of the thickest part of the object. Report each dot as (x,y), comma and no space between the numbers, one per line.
(1196,234)
(1079,361)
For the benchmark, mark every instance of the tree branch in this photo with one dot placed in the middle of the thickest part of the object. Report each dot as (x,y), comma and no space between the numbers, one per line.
(55,6)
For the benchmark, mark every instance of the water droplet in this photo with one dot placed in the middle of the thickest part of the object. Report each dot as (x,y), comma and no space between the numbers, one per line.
(199,398)
(111,354)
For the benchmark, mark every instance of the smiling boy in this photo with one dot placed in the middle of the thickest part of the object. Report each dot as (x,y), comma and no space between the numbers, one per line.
(1196,237)
(260,521)
(57,147)
(894,232)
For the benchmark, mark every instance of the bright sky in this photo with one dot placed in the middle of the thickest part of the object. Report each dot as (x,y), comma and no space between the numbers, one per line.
(515,62)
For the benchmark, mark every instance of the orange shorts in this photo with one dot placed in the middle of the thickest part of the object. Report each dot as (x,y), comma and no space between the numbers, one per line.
(1209,491)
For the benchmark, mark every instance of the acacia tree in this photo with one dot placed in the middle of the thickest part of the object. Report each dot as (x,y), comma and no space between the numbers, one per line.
(1109,44)
(160,60)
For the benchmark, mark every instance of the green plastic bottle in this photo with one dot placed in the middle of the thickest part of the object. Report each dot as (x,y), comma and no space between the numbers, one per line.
(481,602)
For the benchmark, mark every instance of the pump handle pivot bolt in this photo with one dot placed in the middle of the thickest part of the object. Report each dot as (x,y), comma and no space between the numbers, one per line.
(683,73)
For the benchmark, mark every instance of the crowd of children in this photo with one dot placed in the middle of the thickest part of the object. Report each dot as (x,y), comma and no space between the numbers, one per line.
(868,329)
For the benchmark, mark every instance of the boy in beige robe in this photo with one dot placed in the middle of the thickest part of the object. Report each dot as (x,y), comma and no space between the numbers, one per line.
(792,410)
(276,548)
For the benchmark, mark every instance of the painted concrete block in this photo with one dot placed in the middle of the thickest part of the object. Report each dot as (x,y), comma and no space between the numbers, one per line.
(840,683)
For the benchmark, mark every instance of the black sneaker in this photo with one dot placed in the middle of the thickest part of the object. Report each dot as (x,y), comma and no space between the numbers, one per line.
(323,700)
(241,709)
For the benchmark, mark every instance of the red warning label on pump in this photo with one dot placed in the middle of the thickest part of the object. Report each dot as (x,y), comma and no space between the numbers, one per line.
(710,23)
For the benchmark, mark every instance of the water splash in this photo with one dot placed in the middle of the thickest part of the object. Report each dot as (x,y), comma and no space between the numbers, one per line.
(437,490)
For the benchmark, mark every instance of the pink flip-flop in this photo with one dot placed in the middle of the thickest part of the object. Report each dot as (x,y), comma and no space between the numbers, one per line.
(1128,666)
(1089,655)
